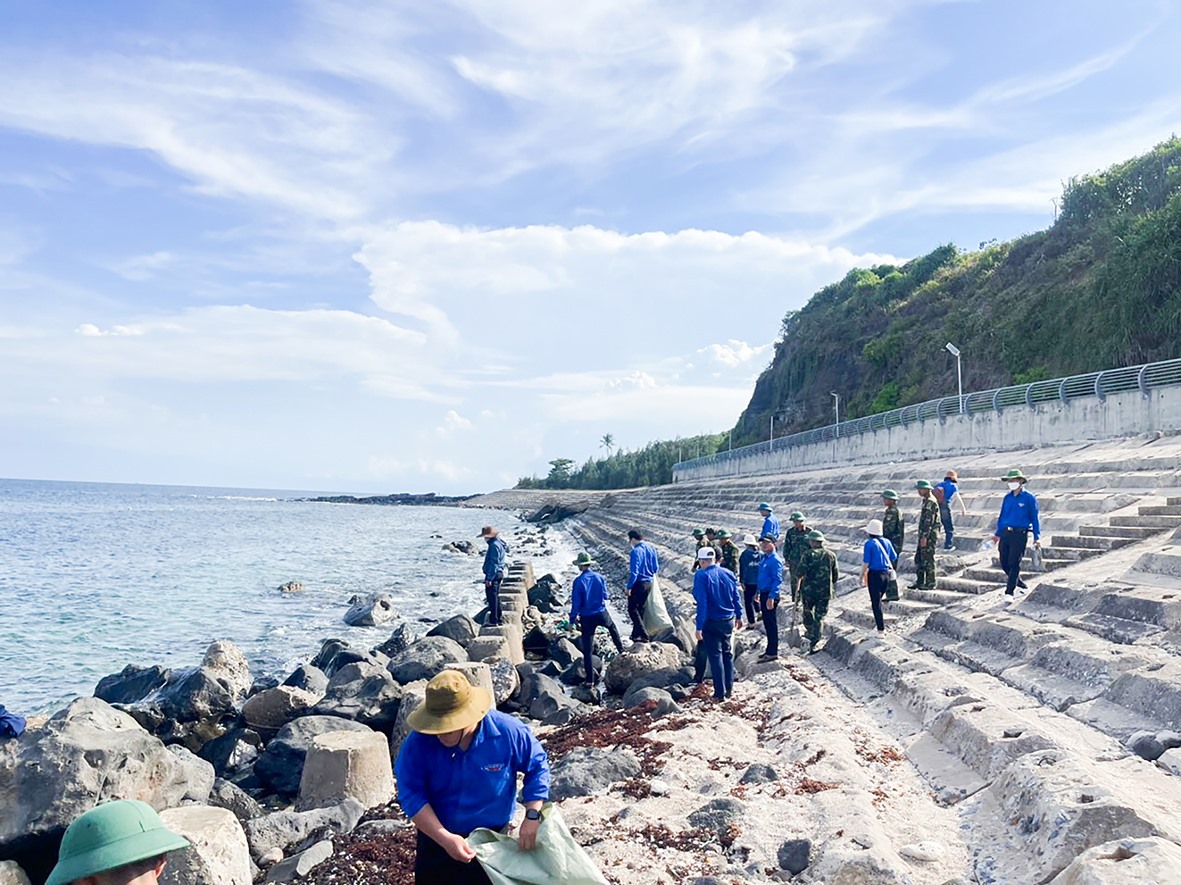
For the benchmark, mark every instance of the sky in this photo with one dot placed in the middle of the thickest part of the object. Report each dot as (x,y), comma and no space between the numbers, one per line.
(383,247)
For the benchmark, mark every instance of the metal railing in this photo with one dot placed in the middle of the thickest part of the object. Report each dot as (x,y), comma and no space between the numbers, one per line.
(1095,385)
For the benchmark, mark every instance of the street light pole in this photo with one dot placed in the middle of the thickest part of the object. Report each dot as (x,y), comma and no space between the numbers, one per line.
(836,405)
(959,375)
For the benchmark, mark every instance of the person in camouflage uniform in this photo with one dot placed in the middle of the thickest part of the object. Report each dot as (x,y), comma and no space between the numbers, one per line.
(795,545)
(924,554)
(818,579)
(699,541)
(729,557)
(893,523)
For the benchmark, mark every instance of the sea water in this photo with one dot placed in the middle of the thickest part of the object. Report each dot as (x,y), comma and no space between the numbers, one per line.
(96,576)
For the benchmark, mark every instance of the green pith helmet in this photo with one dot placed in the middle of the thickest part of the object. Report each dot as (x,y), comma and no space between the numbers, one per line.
(1013,475)
(923,484)
(890,495)
(698,533)
(110,836)
(724,534)
(815,535)
(796,516)
(711,531)
(582,559)
(764,506)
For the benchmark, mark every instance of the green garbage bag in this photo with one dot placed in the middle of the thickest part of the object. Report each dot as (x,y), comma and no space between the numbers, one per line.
(557,858)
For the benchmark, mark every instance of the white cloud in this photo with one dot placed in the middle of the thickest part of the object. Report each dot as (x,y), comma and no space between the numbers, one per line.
(734,353)
(143,267)
(453,423)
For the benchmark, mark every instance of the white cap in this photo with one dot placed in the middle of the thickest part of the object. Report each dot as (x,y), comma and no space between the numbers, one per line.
(705,553)
(874,527)
(750,540)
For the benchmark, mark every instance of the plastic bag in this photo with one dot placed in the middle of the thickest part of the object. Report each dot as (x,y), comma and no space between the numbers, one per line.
(11,725)
(1036,561)
(556,858)
(656,616)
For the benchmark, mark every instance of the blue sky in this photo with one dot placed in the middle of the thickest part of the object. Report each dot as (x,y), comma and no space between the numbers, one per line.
(411,247)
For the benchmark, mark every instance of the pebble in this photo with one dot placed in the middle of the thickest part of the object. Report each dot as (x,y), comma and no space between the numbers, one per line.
(659,787)
(924,852)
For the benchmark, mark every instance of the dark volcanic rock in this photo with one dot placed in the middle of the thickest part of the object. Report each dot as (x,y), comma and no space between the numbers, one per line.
(234,799)
(795,855)
(400,640)
(717,814)
(574,674)
(280,766)
(546,594)
(563,651)
(536,642)
(371,611)
(328,650)
(309,678)
(664,701)
(130,684)
(759,774)
(233,751)
(363,692)
(286,829)
(459,628)
(426,658)
(586,770)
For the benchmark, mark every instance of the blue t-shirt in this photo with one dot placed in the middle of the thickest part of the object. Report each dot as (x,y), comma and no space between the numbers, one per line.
(643,564)
(1019,512)
(715,589)
(770,526)
(770,575)
(878,554)
(949,490)
(476,787)
(588,595)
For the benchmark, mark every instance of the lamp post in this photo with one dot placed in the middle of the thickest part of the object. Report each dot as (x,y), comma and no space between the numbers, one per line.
(836,407)
(955,351)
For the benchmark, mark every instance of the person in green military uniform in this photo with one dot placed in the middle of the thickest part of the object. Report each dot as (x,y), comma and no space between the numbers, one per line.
(818,579)
(893,523)
(795,545)
(924,554)
(730,552)
(700,541)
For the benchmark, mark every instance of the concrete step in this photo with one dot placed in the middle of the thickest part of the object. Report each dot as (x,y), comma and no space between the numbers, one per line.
(985,575)
(1072,671)
(1173,502)
(1090,543)
(1116,531)
(863,618)
(933,597)
(1146,520)
(963,585)
(1167,510)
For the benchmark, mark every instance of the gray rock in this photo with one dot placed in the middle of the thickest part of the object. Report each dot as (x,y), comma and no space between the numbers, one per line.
(759,774)
(717,814)
(459,628)
(575,673)
(87,753)
(371,611)
(795,855)
(228,795)
(309,678)
(563,651)
(546,595)
(284,829)
(198,774)
(536,641)
(270,710)
(586,694)
(380,827)
(298,866)
(291,587)
(400,640)
(505,680)
(363,692)
(328,650)
(12,874)
(664,701)
(639,661)
(665,678)
(195,694)
(1145,745)
(586,770)
(280,766)
(413,697)
(426,658)
(233,751)
(352,655)
(217,852)
(1170,740)
(544,699)
(131,684)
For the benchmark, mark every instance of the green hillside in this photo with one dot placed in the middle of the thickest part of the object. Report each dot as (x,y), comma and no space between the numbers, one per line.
(1100,288)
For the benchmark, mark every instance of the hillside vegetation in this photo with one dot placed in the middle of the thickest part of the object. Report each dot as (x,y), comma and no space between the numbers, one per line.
(1098,289)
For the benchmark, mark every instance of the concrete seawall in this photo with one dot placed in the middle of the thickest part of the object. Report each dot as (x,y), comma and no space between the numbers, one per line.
(1015,427)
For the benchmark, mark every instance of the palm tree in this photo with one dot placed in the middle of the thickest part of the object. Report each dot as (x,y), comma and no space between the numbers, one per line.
(607,442)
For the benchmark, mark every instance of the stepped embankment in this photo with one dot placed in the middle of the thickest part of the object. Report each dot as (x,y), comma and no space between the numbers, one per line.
(1049,726)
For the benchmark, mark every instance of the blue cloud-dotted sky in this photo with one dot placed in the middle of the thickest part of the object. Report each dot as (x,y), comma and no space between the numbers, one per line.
(411,246)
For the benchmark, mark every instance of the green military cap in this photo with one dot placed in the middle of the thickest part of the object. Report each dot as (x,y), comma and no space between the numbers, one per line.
(764,506)
(110,836)
(1014,475)
(890,495)
(796,516)
(923,484)
(698,533)
(723,533)
(583,558)
(815,535)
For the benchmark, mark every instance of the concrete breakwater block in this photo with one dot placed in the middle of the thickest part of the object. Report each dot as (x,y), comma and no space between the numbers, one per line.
(1124,862)
(515,637)
(478,674)
(218,854)
(346,765)
(484,647)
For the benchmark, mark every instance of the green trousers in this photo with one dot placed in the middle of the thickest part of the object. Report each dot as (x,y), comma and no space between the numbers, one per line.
(815,608)
(924,562)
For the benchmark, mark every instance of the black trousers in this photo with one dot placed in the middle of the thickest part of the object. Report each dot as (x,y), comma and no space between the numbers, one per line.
(588,624)
(637,598)
(771,623)
(750,594)
(1011,549)
(877,589)
(492,596)
(434,866)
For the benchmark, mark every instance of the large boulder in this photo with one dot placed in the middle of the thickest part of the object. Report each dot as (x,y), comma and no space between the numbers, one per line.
(371,611)
(218,853)
(198,774)
(299,866)
(228,795)
(131,684)
(233,751)
(664,701)
(586,770)
(543,699)
(505,678)
(309,678)
(460,628)
(400,640)
(270,710)
(563,651)
(546,594)
(642,659)
(363,692)
(1124,862)
(286,829)
(280,766)
(214,689)
(413,697)
(426,658)
(227,664)
(345,765)
(86,754)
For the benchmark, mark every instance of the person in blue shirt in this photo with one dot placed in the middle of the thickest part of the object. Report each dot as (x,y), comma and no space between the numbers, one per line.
(457,771)
(770,580)
(950,491)
(495,568)
(642,568)
(588,609)
(877,559)
(1018,518)
(748,576)
(719,612)
(770,521)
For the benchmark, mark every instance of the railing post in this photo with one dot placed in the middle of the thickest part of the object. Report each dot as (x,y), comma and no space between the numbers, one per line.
(996,400)
(1029,395)
(1142,381)
(1062,390)
(1099,386)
